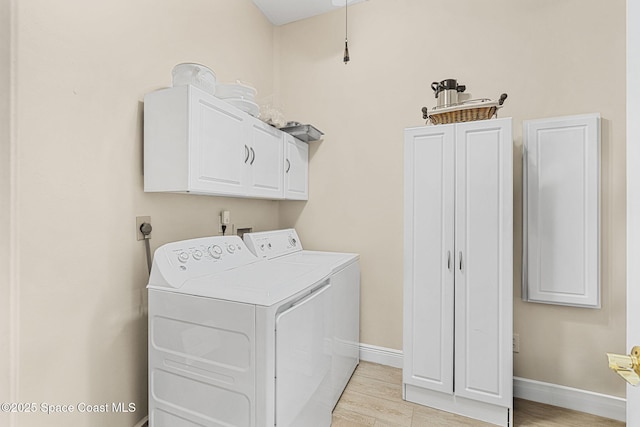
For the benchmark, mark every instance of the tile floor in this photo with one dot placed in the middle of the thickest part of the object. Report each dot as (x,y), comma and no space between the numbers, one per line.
(373,397)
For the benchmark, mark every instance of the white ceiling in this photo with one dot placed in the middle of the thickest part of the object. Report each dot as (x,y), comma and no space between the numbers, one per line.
(281,12)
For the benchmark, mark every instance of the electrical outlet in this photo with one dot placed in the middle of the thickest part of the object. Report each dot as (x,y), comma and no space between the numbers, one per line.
(516,343)
(226,217)
(139,221)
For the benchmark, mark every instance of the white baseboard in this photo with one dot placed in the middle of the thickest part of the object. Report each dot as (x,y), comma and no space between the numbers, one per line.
(589,402)
(381,355)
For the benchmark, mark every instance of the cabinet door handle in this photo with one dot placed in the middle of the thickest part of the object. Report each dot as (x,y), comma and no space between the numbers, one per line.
(246,153)
(288,166)
(254,156)
(461,261)
(449,260)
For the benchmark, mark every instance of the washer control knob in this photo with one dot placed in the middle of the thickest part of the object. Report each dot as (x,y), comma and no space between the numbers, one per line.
(262,247)
(215,251)
(231,249)
(293,241)
(197,254)
(183,257)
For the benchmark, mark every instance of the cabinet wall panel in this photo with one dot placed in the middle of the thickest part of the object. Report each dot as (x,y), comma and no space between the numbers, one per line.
(561,183)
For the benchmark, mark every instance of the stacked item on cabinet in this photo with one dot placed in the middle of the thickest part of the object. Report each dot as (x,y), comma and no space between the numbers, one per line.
(238,94)
(451,109)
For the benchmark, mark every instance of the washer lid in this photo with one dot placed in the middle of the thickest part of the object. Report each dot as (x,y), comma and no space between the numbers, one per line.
(334,261)
(285,246)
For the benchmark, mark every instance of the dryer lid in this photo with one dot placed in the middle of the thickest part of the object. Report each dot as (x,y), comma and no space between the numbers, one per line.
(261,283)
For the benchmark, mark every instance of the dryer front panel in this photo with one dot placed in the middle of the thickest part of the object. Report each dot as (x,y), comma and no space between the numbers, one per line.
(201,361)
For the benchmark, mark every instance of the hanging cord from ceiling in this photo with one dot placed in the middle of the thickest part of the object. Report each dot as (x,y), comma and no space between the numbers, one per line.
(346,40)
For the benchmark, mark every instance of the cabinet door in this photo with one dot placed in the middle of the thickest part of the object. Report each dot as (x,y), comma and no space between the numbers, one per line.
(296,169)
(429,257)
(216,152)
(484,242)
(561,216)
(265,162)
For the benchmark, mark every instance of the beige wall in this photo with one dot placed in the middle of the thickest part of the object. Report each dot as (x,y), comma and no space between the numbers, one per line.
(82,71)
(552,58)
(5,152)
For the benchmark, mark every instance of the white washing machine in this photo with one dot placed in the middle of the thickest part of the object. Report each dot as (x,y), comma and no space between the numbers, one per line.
(236,340)
(283,247)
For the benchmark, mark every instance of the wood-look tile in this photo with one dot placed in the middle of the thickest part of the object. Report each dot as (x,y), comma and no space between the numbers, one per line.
(385,424)
(530,414)
(376,388)
(380,372)
(424,416)
(344,418)
(394,412)
(373,398)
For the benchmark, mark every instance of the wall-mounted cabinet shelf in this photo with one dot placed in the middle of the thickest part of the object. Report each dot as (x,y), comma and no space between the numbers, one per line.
(561,195)
(196,143)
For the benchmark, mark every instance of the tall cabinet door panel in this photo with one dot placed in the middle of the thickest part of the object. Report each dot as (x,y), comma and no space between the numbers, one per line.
(266,158)
(428,257)
(484,242)
(216,158)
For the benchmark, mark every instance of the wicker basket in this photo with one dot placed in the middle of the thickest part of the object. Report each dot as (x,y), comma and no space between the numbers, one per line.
(466,115)
(468,111)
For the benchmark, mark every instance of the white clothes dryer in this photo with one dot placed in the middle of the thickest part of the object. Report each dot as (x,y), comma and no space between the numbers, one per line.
(283,247)
(235,340)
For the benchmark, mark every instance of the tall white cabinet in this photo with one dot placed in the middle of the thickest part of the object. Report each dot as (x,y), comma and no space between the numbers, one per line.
(458,268)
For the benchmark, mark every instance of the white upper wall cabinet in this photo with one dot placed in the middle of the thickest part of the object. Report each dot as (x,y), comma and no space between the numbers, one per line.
(561,236)
(196,143)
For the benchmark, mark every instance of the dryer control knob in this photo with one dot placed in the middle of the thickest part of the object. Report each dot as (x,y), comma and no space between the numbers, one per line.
(197,254)
(215,251)
(231,249)
(183,257)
